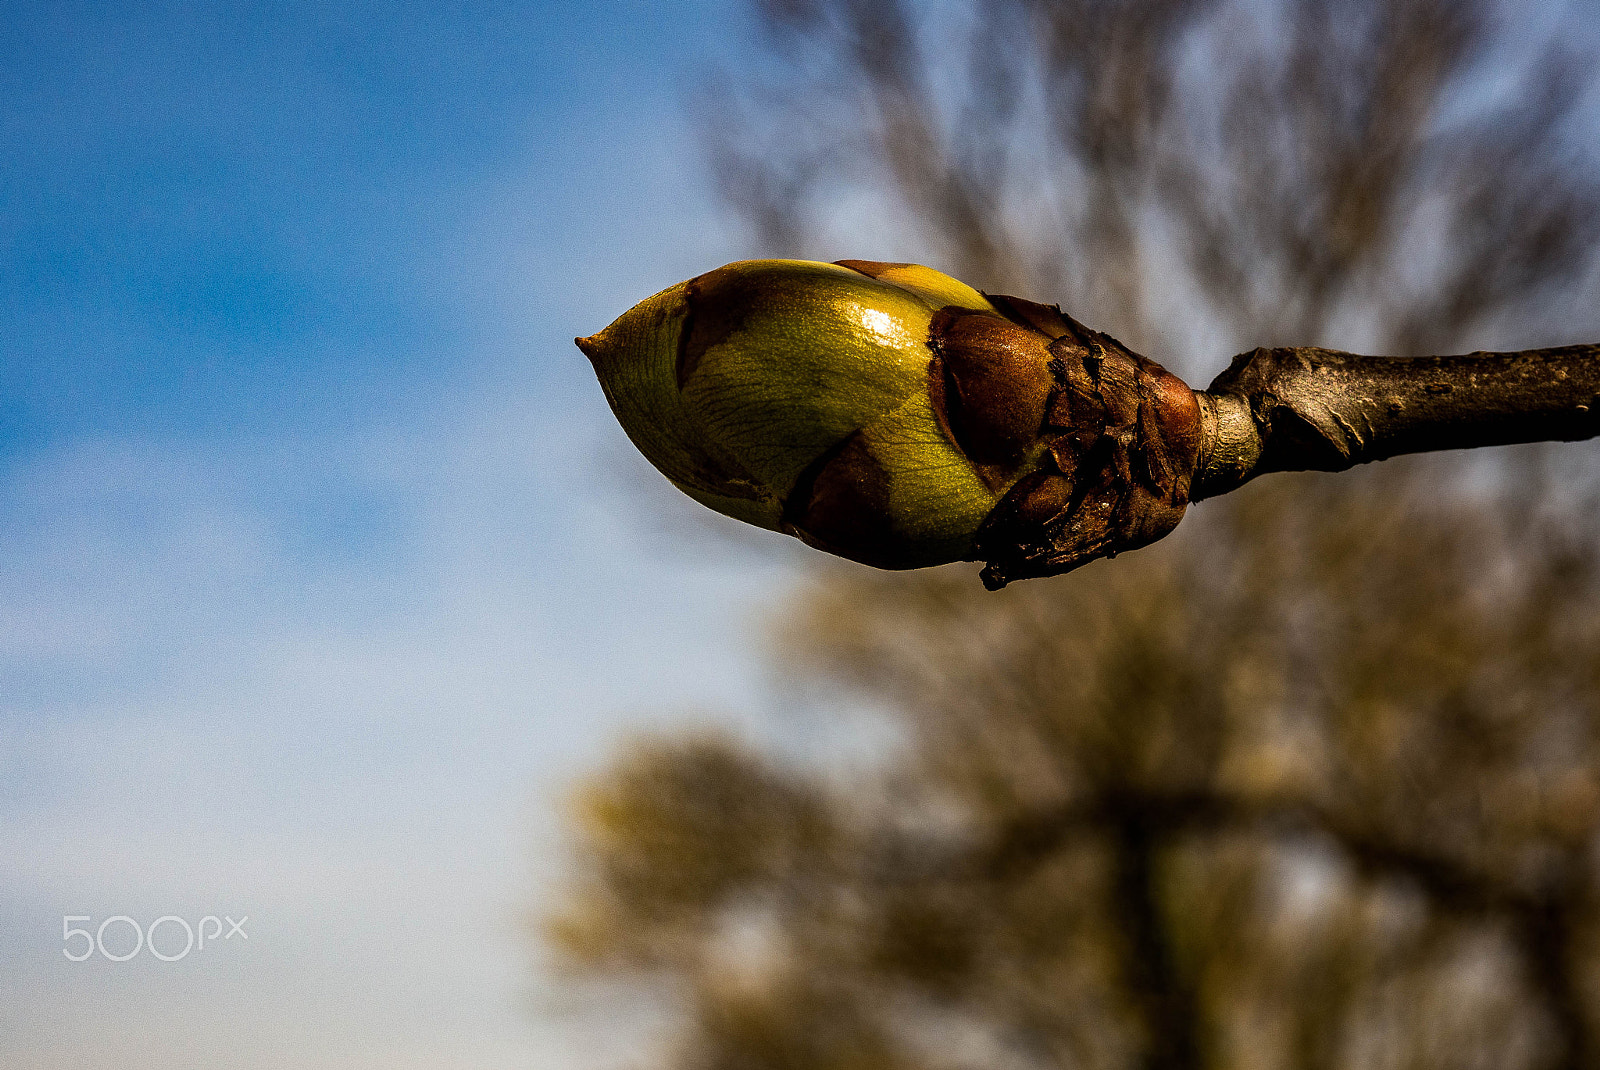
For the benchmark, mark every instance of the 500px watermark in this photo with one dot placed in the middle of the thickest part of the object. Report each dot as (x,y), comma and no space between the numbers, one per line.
(124,928)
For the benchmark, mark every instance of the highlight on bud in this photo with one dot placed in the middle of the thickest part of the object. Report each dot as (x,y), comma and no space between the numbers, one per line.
(896,416)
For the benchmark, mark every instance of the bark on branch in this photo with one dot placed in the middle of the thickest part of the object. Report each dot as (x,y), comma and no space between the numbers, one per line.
(1280,410)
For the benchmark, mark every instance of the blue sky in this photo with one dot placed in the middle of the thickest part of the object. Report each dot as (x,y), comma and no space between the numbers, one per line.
(323,567)
(222,219)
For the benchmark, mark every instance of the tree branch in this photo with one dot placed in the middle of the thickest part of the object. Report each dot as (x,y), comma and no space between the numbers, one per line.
(1544,919)
(1281,410)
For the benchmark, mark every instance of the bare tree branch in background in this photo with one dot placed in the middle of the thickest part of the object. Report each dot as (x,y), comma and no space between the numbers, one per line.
(1315,787)
(1409,166)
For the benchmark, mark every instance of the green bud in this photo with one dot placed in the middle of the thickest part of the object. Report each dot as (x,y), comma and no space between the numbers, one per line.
(891,414)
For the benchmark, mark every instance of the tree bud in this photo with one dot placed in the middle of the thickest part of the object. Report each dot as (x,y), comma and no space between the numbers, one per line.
(893,415)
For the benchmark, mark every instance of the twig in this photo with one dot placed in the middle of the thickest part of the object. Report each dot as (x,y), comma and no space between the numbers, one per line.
(1280,410)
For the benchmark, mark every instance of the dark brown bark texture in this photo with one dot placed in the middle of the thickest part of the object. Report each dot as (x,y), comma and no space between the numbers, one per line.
(1279,410)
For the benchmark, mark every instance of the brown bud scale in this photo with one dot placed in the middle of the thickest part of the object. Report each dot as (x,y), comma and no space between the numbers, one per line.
(1122,439)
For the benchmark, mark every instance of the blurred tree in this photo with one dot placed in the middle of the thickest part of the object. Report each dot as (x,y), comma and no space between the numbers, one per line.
(1414,172)
(1313,784)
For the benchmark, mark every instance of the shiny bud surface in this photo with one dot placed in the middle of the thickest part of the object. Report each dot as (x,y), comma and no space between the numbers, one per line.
(896,416)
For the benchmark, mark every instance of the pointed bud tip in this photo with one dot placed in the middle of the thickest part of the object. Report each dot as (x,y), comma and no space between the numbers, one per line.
(589,345)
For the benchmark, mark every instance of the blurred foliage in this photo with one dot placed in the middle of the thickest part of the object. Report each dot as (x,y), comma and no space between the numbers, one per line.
(1317,790)
(1312,784)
